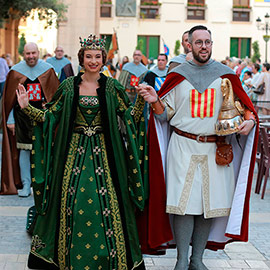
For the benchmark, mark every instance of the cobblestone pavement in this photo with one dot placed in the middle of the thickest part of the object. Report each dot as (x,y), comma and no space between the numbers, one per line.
(15,242)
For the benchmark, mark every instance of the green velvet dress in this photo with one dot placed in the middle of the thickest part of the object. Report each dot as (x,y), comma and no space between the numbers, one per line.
(89,177)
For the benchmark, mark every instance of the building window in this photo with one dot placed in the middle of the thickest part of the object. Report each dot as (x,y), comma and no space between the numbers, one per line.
(240,47)
(196,9)
(105,8)
(149,9)
(149,45)
(241,10)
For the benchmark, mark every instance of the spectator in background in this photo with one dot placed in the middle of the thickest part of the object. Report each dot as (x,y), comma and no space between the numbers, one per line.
(255,76)
(3,74)
(255,73)
(264,99)
(246,83)
(239,68)
(61,64)
(181,58)
(156,77)
(246,78)
(150,63)
(133,74)
(124,61)
(40,80)
(9,60)
(111,68)
(46,56)
(247,66)
(224,62)
(259,62)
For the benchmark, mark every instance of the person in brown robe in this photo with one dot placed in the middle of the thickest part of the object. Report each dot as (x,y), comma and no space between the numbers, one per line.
(40,80)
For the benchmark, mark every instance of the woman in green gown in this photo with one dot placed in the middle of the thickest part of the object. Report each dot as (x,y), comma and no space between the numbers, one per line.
(88,171)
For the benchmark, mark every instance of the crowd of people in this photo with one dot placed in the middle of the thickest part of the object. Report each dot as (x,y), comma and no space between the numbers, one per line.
(252,76)
(131,165)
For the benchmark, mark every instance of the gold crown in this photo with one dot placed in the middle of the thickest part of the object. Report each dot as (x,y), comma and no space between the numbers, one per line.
(93,43)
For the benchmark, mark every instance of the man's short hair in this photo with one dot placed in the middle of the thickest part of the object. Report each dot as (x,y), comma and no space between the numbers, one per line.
(257,66)
(163,54)
(248,73)
(267,66)
(137,50)
(195,28)
(186,32)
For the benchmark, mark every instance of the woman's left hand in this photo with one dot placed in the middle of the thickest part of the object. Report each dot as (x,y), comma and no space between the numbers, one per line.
(246,127)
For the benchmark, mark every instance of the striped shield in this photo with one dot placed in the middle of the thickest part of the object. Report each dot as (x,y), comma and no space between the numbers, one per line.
(202,104)
(158,83)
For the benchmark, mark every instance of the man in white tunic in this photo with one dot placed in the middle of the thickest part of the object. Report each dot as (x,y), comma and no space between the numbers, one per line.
(200,193)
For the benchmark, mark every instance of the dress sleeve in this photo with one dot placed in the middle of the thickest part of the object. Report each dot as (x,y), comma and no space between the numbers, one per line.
(132,118)
(34,113)
(54,107)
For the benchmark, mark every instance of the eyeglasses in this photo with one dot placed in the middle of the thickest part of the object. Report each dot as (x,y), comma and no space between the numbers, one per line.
(199,43)
(136,54)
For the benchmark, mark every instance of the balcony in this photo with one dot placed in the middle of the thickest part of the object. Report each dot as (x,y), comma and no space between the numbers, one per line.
(149,9)
(196,11)
(241,13)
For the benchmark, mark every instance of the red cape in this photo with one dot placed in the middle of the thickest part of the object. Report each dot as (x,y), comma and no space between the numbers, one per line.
(154,226)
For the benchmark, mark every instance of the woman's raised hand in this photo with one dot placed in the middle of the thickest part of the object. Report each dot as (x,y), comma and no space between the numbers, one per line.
(147,92)
(22,96)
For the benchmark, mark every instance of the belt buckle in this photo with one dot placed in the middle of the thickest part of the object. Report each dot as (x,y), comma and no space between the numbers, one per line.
(198,138)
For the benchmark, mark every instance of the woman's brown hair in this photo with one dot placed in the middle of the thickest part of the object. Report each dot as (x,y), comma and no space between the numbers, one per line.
(81,56)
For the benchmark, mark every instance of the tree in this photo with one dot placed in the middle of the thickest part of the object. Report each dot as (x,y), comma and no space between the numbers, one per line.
(11,11)
(21,44)
(140,45)
(177,47)
(16,9)
(256,51)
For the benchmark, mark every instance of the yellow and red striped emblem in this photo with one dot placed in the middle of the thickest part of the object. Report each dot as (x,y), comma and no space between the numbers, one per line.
(202,104)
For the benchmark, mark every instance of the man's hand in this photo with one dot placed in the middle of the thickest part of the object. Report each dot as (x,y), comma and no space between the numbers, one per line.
(11,127)
(147,92)
(246,127)
(22,96)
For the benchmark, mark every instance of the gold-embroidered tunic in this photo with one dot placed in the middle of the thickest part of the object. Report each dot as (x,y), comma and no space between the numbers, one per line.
(191,168)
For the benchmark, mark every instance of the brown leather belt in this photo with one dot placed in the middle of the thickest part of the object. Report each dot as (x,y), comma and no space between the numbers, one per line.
(198,138)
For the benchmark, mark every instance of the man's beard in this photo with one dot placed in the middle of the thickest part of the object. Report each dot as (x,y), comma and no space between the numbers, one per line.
(186,50)
(199,59)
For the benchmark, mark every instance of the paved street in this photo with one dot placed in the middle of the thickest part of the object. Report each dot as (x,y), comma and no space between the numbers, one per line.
(15,242)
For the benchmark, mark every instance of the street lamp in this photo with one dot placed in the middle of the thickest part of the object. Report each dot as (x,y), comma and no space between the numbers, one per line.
(264,26)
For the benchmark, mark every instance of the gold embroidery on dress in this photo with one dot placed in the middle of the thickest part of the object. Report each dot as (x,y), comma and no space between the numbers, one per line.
(63,211)
(89,100)
(34,113)
(38,115)
(115,213)
(138,108)
(82,125)
(37,243)
(122,105)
